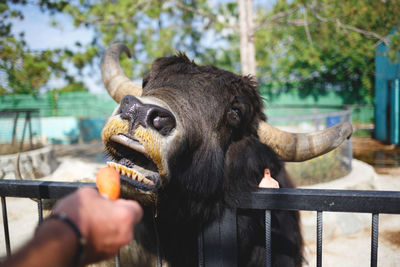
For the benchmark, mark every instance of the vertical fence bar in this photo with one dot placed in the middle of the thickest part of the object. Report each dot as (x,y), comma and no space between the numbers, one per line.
(374,239)
(349,118)
(21,145)
(117,260)
(220,242)
(14,133)
(40,210)
(30,129)
(319,238)
(229,238)
(5,224)
(268,250)
(200,242)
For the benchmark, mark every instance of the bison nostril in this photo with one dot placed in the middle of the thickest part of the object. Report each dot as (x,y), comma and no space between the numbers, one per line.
(147,115)
(162,121)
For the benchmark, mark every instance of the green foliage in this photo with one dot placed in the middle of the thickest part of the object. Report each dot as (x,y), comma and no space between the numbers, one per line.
(318,46)
(24,71)
(394,46)
(150,28)
(311,47)
(73,87)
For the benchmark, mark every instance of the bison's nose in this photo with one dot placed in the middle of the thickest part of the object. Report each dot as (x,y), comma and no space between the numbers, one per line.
(147,115)
(161,119)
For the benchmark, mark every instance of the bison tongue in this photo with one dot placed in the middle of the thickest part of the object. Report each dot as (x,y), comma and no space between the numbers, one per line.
(128,142)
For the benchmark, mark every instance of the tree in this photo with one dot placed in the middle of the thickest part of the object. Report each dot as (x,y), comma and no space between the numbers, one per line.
(151,28)
(306,45)
(22,70)
(320,46)
(309,46)
(247,46)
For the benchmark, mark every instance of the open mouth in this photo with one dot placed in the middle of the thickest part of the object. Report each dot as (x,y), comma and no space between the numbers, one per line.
(133,163)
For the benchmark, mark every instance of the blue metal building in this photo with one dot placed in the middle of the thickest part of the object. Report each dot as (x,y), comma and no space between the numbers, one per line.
(387,96)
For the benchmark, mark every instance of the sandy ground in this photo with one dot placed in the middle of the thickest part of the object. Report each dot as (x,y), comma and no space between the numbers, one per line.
(346,236)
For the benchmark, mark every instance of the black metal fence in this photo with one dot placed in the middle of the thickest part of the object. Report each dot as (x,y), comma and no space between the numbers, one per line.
(33,189)
(222,253)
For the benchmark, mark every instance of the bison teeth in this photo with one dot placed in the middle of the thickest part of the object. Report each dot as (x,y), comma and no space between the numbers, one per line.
(128,172)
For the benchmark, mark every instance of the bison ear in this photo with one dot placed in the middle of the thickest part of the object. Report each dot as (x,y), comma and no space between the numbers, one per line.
(146,78)
(245,162)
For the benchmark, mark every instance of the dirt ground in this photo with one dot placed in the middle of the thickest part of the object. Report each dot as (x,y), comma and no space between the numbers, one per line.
(383,157)
(346,236)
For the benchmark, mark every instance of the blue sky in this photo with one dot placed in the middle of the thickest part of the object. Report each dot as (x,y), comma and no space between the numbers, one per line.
(40,35)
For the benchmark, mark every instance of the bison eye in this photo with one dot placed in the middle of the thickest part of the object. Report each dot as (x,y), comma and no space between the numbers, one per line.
(237,112)
(234,117)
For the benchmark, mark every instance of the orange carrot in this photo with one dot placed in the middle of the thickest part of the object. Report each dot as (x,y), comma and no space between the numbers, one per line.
(108,183)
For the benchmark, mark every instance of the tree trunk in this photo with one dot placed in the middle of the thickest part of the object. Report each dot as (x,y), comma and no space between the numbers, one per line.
(247,47)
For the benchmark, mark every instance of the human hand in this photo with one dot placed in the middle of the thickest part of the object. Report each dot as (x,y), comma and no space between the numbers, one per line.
(107,225)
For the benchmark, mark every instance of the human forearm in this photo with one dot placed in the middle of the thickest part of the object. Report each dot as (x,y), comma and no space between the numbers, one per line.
(54,244)
(105,225)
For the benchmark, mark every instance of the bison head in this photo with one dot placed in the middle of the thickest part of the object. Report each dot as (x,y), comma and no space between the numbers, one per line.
(186,123)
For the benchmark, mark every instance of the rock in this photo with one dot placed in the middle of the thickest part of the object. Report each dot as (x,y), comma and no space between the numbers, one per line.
(33,164)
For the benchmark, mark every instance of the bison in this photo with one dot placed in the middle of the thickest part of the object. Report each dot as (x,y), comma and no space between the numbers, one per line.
(186,143)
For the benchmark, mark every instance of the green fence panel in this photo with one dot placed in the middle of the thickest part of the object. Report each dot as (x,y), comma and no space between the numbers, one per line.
(76,104)
(90,105)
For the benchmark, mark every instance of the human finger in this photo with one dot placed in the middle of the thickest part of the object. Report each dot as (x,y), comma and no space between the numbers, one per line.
(267,181)
(133,207)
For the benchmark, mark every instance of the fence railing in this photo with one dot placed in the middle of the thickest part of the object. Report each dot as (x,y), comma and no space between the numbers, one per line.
(33,189)
(218,242)
(374,202)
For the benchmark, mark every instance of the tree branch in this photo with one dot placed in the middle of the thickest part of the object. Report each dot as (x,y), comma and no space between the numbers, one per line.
(195,11)
(102,21)
(361,31)
(210,16)
(282,17)
(276,17)
(307,29)
(349,27)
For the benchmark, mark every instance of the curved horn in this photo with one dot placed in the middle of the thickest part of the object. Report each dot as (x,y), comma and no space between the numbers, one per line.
(114,79)
(303,146)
